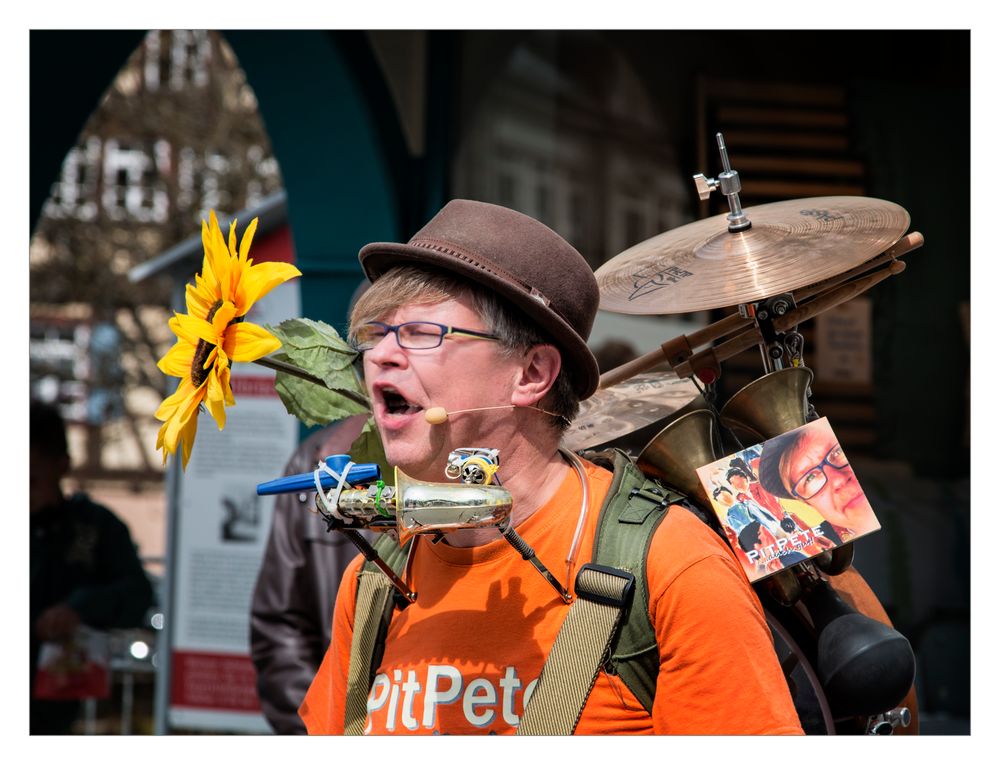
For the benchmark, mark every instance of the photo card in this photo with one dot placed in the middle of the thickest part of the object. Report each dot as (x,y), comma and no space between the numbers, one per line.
(788,499)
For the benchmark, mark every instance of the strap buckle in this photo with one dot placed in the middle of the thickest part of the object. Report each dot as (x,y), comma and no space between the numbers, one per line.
(585,589)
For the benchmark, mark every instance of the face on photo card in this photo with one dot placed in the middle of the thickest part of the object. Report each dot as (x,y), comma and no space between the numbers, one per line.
(788,499)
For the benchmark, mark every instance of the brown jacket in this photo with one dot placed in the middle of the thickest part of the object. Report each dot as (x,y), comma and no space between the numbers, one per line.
(292,612)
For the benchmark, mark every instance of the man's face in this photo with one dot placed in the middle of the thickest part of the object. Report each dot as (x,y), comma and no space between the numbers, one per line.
(739,482)
(841,500)
(726,498)
(461,373)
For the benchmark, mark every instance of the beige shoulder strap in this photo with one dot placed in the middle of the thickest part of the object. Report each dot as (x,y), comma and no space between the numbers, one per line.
(374,591)
(602,595)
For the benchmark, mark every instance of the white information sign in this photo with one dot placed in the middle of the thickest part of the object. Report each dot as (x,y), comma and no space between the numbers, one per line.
(220,532)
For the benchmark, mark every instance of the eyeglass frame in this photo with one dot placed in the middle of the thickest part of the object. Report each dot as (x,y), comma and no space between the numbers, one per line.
(820,467)
(445,330)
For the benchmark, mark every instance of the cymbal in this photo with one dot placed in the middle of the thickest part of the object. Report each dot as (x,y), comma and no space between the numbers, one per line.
(790,244)
(624,408)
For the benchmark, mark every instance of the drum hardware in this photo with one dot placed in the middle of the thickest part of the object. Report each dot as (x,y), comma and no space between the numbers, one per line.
(728,184)
(795,348)
(784,587)
(884,724)
(772,347)
(712,358)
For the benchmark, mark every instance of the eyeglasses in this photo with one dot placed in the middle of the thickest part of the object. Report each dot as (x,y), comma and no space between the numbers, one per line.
(814,479)
(414,335)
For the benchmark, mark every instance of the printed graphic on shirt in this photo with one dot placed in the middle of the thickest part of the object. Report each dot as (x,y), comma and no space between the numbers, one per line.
(416,700)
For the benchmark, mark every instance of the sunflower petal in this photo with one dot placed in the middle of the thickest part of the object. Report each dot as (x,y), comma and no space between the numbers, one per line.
(172,402)
(261,279)
(199,297)
(227,388)
(248,342)
(187,434)
(221,262)
(223,316)
(215,400)
(193,329)
(186,410)
(177,361)
(232,238)
(247,240)
(160,444)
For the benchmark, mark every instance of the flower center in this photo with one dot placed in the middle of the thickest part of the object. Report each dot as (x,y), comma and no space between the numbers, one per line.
(198,372)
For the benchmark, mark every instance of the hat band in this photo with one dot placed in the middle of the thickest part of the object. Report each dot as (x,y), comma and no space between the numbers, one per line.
(484,264)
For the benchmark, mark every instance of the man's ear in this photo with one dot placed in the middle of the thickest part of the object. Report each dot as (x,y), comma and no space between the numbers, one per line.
(537,374)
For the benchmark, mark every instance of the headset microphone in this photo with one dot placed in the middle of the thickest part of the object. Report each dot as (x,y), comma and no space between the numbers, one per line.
(437,415)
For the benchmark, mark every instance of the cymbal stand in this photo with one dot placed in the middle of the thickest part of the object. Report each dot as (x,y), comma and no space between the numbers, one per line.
(729,186)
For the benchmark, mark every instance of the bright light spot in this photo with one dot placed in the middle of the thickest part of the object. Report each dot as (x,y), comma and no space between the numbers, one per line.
(139,650)
(157,621)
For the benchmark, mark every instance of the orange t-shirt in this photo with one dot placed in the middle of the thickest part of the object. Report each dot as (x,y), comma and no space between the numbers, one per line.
(466,655)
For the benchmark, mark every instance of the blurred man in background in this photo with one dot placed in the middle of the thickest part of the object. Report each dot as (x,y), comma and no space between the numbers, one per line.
(84,566)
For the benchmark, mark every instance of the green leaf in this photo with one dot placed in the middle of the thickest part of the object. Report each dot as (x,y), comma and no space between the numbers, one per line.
(311,403)
(316,348)
(367,447)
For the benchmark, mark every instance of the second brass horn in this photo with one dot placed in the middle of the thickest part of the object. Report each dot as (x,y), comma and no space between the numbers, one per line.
(677,451)
(769,406)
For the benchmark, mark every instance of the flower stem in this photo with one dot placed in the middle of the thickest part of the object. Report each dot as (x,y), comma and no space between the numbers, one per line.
(291,369)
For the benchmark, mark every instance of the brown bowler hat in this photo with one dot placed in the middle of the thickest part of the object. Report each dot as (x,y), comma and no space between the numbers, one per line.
(525,261)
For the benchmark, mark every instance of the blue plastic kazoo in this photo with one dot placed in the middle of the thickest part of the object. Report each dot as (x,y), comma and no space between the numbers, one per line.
(362,473)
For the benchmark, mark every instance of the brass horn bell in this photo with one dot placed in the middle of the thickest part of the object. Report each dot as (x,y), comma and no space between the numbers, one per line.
(676,452)
(769,406)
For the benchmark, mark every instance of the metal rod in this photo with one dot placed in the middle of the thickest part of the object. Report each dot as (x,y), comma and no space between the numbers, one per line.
(371,554)
(524,549)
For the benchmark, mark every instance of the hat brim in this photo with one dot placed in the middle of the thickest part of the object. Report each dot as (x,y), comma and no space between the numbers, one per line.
(378,257)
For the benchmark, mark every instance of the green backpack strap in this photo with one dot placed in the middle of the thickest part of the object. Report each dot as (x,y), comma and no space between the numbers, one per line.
(372,614)
(633,511)
(608,624)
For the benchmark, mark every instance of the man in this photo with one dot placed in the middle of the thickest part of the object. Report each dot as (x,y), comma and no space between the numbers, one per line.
(485,314)
(292,609)
(84,567)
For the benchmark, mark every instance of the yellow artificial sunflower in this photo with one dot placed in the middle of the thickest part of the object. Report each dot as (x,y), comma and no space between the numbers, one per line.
(213,334)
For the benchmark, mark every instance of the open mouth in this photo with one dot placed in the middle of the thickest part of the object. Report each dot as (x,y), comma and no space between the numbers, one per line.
(396,403)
